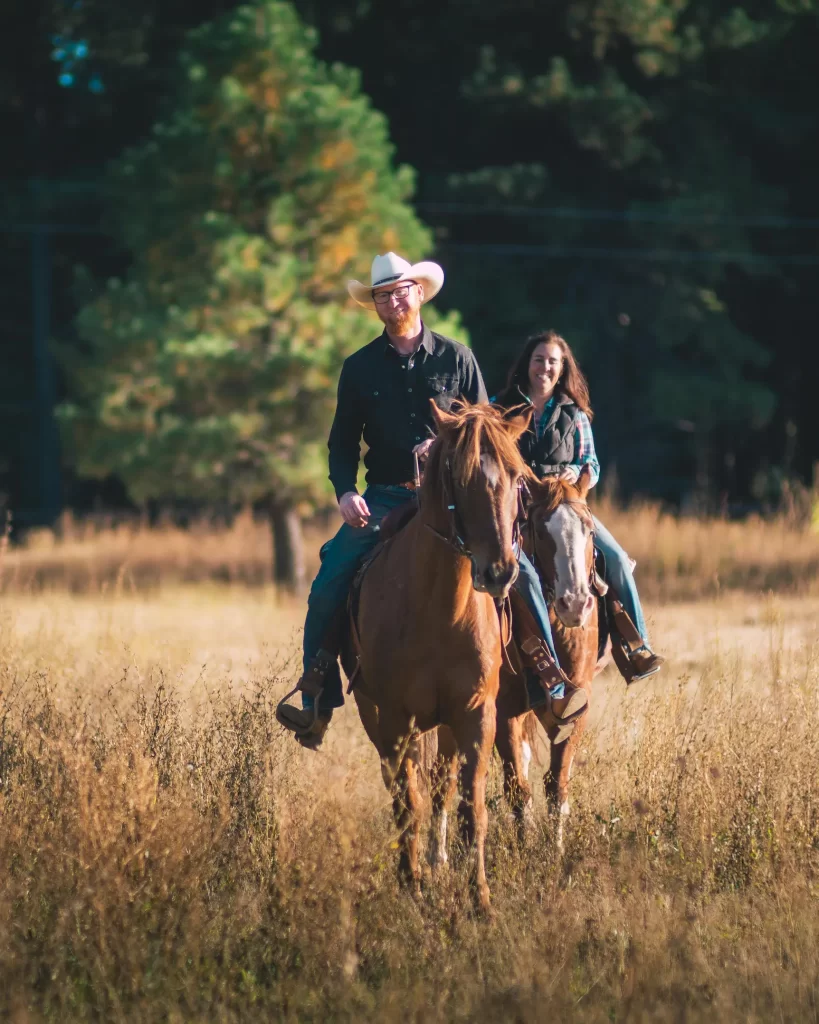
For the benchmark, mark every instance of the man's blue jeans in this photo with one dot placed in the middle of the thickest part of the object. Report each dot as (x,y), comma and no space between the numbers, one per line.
(342,557)
(620,576)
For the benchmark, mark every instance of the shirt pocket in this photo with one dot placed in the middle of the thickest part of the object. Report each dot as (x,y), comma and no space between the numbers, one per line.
(379,405)
(444,389)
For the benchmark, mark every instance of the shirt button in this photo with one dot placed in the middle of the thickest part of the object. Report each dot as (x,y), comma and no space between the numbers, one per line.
(375,393)
(409,389)
(417,438)
(412,415)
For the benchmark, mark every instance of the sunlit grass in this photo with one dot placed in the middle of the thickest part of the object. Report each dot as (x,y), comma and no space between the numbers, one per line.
(168,855)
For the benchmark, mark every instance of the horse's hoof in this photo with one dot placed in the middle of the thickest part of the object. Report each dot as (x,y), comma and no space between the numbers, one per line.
(483,902)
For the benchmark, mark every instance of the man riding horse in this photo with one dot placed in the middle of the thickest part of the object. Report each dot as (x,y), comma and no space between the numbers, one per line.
(384,395)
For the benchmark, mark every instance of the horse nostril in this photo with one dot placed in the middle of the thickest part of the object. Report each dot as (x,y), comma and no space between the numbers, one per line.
(494,571)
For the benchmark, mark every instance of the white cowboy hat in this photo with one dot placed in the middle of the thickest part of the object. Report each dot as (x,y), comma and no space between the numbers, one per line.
(391,269)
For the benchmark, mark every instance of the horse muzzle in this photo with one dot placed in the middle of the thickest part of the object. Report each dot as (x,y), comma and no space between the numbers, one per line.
(574,610)
(496,579)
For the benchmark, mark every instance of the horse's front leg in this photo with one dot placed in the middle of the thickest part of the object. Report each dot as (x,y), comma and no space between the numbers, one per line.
(475,735)
(402,773)
(559,775)
(444,784)
(515,754)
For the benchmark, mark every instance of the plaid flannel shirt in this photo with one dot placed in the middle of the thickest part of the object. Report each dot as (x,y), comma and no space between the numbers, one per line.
(584,452)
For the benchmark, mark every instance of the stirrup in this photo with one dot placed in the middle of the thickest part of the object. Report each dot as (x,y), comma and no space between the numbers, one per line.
(311,683)
(557,729)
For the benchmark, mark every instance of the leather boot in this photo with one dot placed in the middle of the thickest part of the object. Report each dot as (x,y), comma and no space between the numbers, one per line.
(308,724)
(637,660)
(643,663)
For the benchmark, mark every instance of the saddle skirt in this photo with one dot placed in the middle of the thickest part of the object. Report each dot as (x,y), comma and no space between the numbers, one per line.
(391,525)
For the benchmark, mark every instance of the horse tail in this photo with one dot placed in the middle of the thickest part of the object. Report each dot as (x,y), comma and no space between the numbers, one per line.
(428,751)
(530,735)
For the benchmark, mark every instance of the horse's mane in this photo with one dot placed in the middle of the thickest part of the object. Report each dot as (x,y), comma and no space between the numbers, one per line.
(549,493)
(469,432)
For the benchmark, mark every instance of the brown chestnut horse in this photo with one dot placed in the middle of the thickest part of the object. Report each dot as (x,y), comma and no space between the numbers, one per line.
(431,647)
(559,539)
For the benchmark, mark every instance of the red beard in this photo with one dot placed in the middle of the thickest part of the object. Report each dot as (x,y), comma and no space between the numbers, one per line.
(401,321)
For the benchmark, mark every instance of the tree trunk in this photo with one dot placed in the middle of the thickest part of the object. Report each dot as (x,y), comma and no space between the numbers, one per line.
(288,547)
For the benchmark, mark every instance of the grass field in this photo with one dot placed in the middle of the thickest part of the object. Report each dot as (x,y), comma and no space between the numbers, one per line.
(167,855)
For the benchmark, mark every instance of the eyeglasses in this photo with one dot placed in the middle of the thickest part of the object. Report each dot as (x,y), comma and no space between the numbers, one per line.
(401,292)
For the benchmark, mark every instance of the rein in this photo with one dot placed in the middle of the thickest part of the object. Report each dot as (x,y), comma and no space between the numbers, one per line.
(453,538)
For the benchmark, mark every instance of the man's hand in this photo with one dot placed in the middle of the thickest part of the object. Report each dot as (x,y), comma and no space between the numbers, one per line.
(570,473)
(353,509)
(423,448)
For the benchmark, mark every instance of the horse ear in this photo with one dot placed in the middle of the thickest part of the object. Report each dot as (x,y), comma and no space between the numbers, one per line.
(442,419)
(519,424)
(584,481)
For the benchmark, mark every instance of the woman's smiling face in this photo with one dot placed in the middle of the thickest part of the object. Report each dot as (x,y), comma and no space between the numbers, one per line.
(545,367)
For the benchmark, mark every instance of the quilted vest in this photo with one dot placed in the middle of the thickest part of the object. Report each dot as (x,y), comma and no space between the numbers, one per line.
(555,448)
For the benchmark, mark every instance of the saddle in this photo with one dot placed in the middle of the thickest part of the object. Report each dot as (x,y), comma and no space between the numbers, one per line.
(391,525)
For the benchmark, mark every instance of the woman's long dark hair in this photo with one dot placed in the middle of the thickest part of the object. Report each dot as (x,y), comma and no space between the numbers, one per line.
(572,382)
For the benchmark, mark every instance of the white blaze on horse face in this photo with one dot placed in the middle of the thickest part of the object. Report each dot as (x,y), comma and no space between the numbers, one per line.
(571,585)
(490,469)
(525,759)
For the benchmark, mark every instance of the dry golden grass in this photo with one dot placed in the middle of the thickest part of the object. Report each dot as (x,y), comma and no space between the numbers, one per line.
(678,558)
(167,855)
(682,557)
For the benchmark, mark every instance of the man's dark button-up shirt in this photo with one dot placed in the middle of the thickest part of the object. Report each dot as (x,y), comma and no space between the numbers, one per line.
(384,398)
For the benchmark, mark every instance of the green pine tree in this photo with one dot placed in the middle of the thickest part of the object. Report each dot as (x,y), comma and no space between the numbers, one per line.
(209,372)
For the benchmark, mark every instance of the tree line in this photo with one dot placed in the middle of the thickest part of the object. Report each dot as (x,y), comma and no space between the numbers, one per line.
(637,174)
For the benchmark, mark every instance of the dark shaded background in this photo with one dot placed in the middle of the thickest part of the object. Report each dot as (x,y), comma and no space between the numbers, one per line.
(536,226)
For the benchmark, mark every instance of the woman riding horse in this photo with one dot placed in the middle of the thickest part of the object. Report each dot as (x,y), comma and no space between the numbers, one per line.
(559,442)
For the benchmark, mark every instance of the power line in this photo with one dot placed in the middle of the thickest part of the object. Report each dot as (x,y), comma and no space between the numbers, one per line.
(644,255)
(545,251)
(621,216)
(51,229)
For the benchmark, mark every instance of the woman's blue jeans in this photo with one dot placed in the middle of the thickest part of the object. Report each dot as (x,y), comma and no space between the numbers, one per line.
(620,576)
(529,587)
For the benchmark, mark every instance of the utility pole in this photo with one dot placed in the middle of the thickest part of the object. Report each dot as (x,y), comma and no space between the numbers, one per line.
(45,429)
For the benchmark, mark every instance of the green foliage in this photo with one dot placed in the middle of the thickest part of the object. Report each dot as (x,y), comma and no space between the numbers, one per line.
(210,371)
(645,109)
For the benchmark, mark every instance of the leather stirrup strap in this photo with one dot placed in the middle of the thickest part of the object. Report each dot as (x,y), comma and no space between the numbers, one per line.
(625,626)
(532,644)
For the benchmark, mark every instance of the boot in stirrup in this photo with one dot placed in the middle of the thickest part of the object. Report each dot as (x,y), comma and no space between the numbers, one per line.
(566,701)
(637,660)
(308,724)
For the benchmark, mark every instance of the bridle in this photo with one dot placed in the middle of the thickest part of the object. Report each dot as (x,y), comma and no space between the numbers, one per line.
(454,536)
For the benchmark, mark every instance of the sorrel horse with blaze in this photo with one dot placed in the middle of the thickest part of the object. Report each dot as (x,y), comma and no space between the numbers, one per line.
(560,540)
(430,637)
